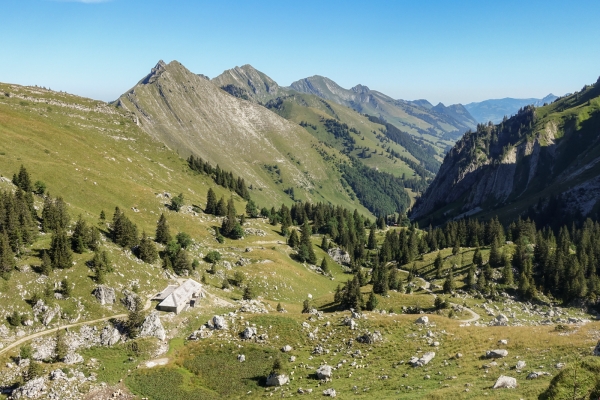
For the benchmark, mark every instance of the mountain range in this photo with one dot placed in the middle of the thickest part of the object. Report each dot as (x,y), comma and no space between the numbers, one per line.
(542,163)
(495,110)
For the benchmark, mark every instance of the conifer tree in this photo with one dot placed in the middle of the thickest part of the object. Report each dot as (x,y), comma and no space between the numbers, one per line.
(372,242)
(456,248)
(7,257)
(230,220)
(477,258)
(293,240)
(471,277)
(507,272)
(325,265)
(372,302)
(252,209)
(60,347)
(449,282)
(181,263)
(495,257)
(211,202)
(46,267)
(325,243)
(221,207)
(163,235)
(60,250)
(393,280)
(80,236)
(147,251)
(306,251)
(438,264)
(135,318)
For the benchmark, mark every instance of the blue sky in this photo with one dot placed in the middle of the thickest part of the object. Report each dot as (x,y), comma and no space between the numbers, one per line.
(449,51)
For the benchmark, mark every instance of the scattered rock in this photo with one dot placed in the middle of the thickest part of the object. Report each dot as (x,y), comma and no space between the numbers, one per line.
(153,327)
(292,358)
(329,392)
(73,358)
(241,358)
(499,353)
(370,338)
(424,360)
(104,294)
(249,332)
(58,375)
(503,342)
(277,380)
(505,382)
(537,374)
(424,320)
(324,372)
(520,365)
(217,322)
(287,348)
(500,320)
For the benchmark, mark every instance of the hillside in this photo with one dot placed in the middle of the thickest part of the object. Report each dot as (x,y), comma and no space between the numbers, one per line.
(542,163)
(438,125)
(193,116)
(496,109)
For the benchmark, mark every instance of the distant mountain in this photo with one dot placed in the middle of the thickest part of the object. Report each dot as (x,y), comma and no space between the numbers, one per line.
(194,116)
(248,83)
(494,110)
(542,163)
(418,118)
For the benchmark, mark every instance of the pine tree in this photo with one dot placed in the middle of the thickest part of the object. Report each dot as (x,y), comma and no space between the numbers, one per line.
(230,220)
(80,236)
(372,302)
(163,235)
(60,250)
(306,243)
(449,282)
(507,272)
(221,207)
(495,257)
(251,209)
(325,265)
(325,243)
(46,267)
(456,248)
(147,251)
(7,257)
(293,240)
(393,280)
(181,263)
(372,242)
(477,258)
(211,202)
(60,347)
(65,288)
(471,277)
(135,318)
(438,264)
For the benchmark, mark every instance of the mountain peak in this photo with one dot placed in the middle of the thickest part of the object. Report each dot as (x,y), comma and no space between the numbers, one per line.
(360,89)
(154,73)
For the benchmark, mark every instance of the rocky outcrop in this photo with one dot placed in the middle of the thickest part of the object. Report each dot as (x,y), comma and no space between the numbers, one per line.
(339,256)
(104,294)
(129,299)
(109,336)
(33,389)
(499,353)
(152,327)
(217,322)
(370,338)
(249,332)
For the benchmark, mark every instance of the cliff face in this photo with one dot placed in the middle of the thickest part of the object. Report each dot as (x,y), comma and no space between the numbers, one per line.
(192,115)
(545,153)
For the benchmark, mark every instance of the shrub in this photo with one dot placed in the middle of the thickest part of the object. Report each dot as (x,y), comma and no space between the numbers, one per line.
(212,257)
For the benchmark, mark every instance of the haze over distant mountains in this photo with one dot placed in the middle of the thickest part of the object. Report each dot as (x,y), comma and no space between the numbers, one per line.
(495,109)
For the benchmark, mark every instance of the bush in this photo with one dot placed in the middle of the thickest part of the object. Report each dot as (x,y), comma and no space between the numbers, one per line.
(249,292)
(184,239)
(177,202)
(238,278)
(212,257)
(15,319)
(25,352)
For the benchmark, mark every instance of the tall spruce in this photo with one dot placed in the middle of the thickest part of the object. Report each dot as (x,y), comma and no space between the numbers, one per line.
(60,250)
(211,202)
(163,234)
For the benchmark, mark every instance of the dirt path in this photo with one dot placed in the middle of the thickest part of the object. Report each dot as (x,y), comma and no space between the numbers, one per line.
(27,338)
(473,313)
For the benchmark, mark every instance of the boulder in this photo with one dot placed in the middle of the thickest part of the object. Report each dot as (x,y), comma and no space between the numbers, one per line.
(129,299)
(104,294)
(324,372)
(424,360)
(503,342)
(217,322)
(277,380)
(292,358)
(520,365)
(339,256)
(249,332)
(329,392)
(241,358)
(152,327)
(57,375)
(109,336)
(424,320)
(370,338)
(31,390)
(287,348)
(499,353)
(500,320)
(505,382)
